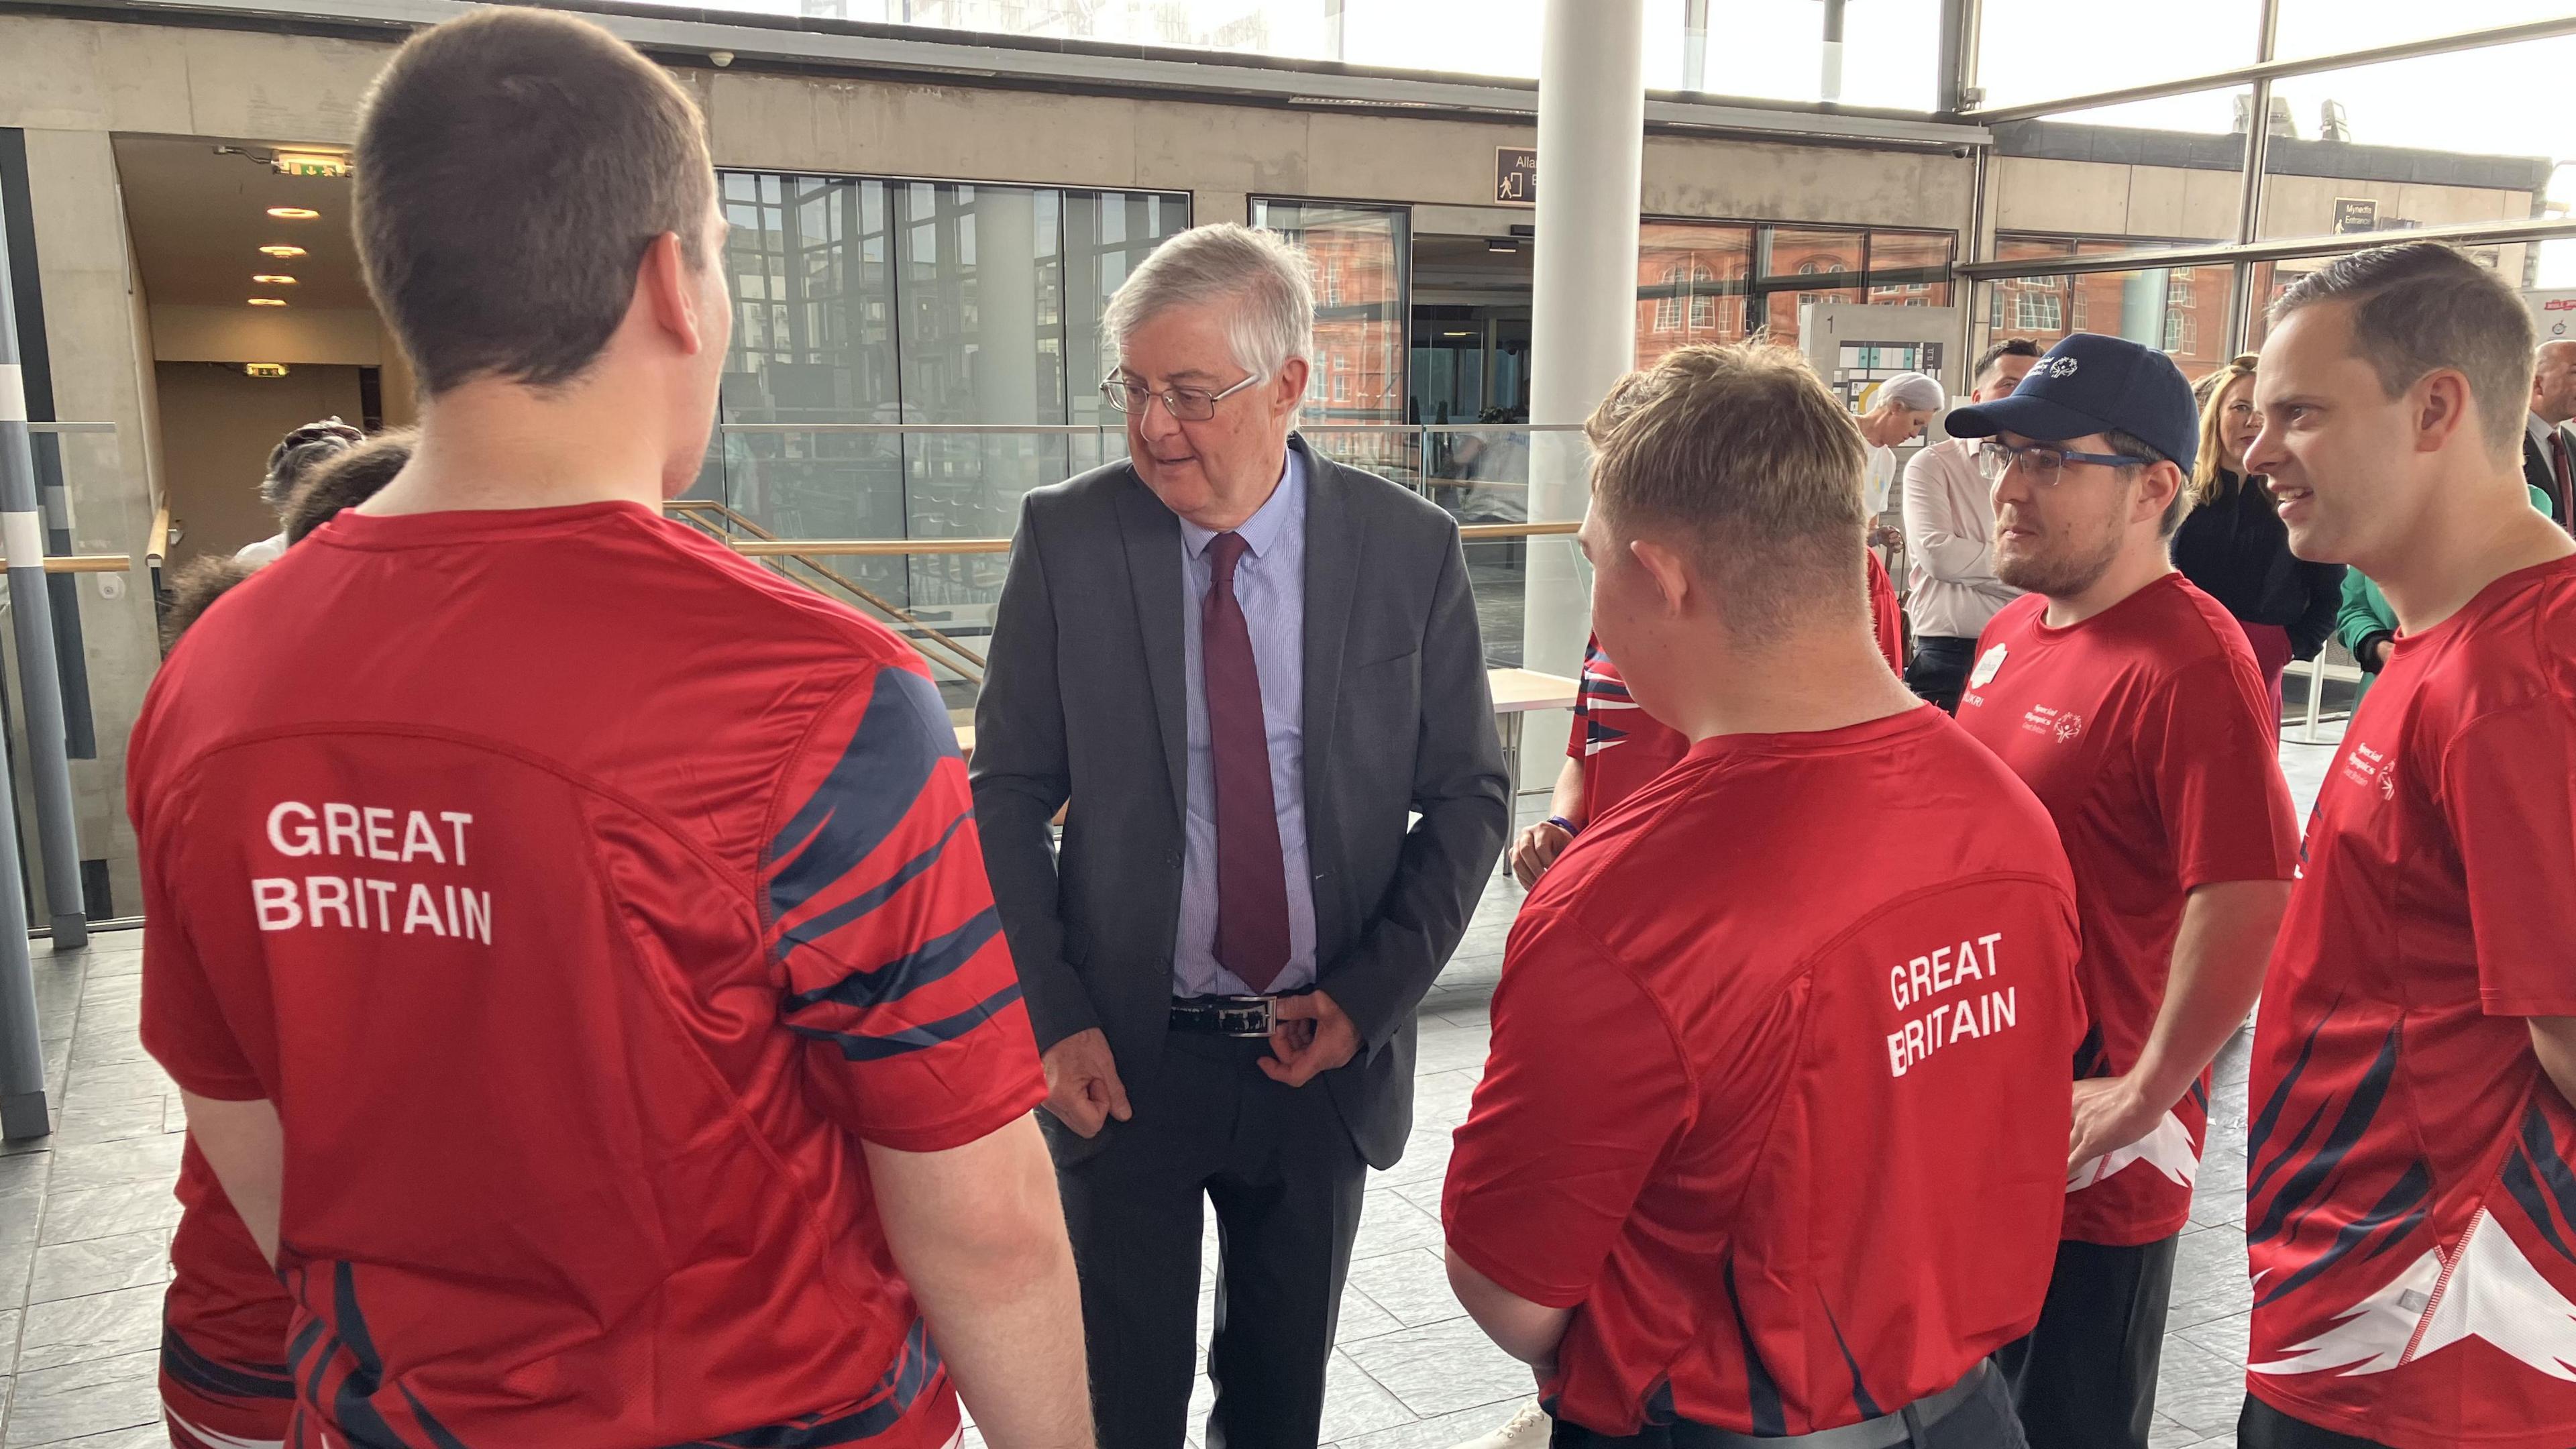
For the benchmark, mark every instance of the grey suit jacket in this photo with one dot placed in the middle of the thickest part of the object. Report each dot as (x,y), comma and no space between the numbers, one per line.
(1083,701)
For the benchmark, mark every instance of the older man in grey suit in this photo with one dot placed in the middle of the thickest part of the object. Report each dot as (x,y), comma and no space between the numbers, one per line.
(1244,666)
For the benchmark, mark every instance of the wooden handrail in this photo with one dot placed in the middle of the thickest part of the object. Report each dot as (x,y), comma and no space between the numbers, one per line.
(902,547)
(156,544)
(91,563)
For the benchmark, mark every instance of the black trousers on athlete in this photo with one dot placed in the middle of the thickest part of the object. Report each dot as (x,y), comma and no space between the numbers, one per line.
(2085,1378)
(1939,669)
(1984,1421)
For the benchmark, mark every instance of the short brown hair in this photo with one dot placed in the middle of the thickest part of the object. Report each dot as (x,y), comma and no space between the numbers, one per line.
(348,480)
(512,166)
(2423,306)
(1741,449)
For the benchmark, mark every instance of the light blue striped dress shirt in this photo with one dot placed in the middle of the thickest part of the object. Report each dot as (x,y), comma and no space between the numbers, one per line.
(1270,584)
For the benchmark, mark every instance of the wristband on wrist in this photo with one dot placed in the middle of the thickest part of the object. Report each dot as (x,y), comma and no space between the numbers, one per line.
(1568,826)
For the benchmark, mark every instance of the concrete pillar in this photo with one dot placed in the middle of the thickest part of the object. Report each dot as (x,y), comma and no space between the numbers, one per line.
(1591,136)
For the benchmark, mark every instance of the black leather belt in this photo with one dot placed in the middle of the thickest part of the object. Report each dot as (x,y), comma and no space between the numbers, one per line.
(1883,1432)
(1244,1016)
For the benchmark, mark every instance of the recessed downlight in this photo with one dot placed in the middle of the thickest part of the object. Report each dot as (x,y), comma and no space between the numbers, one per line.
(273,279)
(268,301)
(282,253)
(293,213)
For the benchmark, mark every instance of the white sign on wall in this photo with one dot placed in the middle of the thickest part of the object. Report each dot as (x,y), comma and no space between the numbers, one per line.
(2553,314)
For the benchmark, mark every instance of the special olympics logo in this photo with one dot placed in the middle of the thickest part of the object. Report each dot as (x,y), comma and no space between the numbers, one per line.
(2388,781)
(2060,367)
(2068,727)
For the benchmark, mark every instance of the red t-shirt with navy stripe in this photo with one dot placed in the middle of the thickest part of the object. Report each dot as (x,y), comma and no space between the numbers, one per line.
(1622,747)
(2410,1200)
(1778,1107)
(583,896)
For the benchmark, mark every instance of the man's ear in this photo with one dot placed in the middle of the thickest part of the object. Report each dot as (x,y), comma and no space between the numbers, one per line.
(1671,576)
(663,286)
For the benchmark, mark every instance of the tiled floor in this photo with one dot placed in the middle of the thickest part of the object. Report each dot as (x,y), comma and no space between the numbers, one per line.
(85,1219)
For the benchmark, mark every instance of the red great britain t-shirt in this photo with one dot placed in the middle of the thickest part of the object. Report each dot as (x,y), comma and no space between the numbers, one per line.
(583,896)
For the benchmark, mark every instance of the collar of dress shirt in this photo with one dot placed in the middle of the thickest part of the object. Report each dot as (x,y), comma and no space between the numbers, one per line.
(2537,428)
(1283,509)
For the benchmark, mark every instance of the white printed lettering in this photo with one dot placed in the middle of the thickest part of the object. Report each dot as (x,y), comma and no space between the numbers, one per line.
(478,916)
(1988,941)
(419,839)
(459,820)
(278,905)
(340,821)
(380,833)
(325,893)
(1942,979)
(1999,1010)
(384,890)
(422,907)
(304,840)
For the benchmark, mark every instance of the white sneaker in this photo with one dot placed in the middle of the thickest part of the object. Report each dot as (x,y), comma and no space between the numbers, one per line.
(1528,1429)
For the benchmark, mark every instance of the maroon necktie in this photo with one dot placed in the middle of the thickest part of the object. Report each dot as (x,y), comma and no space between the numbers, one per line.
(1251,876)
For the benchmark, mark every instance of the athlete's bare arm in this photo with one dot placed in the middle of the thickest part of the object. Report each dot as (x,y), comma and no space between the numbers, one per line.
(245,1147)
(1525,1330)
(2218,962)
(2554,1039)
(979,1233)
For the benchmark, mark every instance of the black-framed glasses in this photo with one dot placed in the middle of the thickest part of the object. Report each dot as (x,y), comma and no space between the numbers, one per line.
(2040,463)
(1188,404)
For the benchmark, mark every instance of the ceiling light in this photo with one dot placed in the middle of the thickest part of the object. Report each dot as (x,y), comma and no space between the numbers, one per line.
(265,369)
(268,301)
(273,279)
(281,252)
(293,213)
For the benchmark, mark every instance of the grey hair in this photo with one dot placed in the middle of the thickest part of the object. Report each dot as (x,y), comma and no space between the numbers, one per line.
(1264,276)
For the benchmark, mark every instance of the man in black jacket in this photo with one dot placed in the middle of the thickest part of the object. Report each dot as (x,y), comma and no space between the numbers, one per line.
(2546,464)
(1243,665)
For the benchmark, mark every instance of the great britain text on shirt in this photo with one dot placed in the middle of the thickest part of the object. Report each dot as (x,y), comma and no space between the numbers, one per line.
(1949,1021)
(364,903)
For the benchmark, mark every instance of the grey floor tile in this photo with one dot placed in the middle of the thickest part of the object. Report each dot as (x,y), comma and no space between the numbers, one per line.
(58,994)
(1362,1318)
(103,1164)
(99,1396)
(108,1121)
(1443,1432)
(22,1177)
(100,1265)
(2209,1279)
(2197,1389)
(2225,1337)
(100,1326)
(1389,1224)
(1441,1368)
(113,965)
(153,1435)
(111,1211)
(1355,1403)
(17,1258)
(9,1320)
(1448,1048)
(86,1086)
(1441,1099)
(1412,1286)
(2164,1433)
(1426,1157)
(107,1045)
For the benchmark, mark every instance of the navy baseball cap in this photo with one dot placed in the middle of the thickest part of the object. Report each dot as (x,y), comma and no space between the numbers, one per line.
(2090,384)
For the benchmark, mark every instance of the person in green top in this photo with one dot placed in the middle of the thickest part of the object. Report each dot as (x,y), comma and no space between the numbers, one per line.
(2365,623)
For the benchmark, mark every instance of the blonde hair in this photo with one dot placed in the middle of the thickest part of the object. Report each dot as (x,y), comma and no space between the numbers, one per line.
(1742,450)
(2209,481)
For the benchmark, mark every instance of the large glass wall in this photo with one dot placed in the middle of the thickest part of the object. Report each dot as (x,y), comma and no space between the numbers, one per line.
(1706,281)
(2180,310)
(864,301)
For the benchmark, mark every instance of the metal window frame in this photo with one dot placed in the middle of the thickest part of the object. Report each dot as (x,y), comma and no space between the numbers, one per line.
(1976,274)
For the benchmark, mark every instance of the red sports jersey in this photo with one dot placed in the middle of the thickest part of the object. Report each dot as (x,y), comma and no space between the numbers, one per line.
(1780,1108)
(582,896)
(1622,747)
(224,1326)
(2145,732)
(2411,1212)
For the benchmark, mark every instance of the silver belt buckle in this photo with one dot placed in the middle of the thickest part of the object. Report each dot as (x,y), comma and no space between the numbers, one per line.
(1246,1016)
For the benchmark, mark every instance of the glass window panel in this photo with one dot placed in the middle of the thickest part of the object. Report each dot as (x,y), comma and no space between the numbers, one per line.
(2271,279)
(1360,256)
(1910,268)
(1691,285)
(1807,264)
(2393,147)
(2331,27)
(2180,311)
(2036,50)
(2156,172)
(1775,50)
